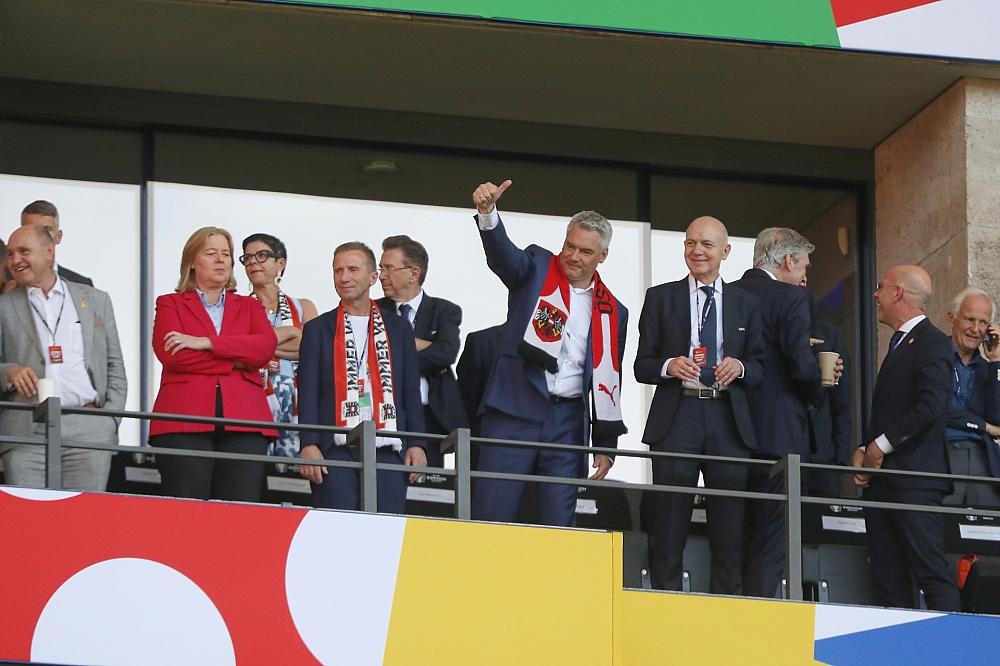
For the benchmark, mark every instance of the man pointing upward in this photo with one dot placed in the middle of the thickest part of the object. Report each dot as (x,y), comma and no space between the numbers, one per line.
(558,376)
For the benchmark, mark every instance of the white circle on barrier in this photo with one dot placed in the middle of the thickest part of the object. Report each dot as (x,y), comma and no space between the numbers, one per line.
(340,579)
(131,611)
(38,494)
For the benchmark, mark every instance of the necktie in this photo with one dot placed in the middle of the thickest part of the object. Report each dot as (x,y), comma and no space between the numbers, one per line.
(894,341)
(404,312)
(708,336)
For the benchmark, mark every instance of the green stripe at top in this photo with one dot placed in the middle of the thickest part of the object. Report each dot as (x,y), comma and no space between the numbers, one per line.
(808,22)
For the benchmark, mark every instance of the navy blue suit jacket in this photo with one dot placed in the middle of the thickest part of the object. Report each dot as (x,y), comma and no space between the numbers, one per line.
(831,418)
(318,394)
(984,407)
(665,332)
(517,387)
(791,372)
(475,368)
(438,322)
(909,406)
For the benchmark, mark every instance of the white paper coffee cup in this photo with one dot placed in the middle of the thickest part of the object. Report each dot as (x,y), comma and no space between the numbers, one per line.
(46,389)
(827,365)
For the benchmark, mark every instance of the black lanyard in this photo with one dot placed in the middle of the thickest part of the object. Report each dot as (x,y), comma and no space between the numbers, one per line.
(52,332)
(362,354)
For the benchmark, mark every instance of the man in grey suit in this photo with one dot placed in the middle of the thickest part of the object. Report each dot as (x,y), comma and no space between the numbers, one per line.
(65,331)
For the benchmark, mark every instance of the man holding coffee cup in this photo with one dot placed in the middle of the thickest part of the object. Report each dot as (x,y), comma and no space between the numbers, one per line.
(792,382)
(57,337)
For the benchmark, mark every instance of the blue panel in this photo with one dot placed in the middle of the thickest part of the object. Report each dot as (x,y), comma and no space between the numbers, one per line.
(951,639)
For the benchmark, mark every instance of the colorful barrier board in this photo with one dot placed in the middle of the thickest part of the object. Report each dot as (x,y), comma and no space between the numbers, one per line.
(111,579)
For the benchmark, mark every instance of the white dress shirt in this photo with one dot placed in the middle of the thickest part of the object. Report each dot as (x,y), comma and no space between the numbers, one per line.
(697,300)
(72,383)
(567,381)
(414,304)
(882,441)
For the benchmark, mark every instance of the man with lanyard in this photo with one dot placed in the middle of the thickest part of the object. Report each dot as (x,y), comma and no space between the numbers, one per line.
(358,362)
(63,331)
(560,354)
(974,408)
(700,344)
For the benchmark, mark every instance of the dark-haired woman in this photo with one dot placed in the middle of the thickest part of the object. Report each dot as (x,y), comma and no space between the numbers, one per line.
(265,258)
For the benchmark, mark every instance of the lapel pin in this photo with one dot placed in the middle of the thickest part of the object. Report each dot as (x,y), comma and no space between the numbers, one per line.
(83,303)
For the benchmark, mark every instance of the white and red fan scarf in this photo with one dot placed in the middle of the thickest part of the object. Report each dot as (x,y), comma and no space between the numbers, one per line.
(543,339)
(347,405)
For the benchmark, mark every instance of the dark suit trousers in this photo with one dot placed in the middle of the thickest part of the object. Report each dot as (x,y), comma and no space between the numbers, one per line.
(434,456)
(340,487)
(500,501)
(204,478)
(906,547)
(765,538)
(702,427)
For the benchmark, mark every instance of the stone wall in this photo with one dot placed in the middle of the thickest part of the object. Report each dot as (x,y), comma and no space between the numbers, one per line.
(937,194)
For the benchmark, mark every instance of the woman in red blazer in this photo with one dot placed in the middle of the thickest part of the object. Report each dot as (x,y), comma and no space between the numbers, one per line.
(212,343)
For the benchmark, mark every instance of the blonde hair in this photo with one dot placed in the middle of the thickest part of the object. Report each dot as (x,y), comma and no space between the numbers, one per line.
(192,247)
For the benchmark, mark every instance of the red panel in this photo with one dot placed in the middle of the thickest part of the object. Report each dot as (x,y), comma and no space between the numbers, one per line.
(235,553)
(846,12)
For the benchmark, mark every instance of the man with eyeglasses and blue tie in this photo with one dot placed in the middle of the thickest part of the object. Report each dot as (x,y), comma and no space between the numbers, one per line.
(906,431)
(700,344)
(435,323)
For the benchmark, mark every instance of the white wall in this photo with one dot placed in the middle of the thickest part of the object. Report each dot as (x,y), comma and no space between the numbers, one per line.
(100,223)
(668,257)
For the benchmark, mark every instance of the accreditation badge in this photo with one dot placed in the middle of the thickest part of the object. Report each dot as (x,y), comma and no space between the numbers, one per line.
(364,398)
(700,356)
(55,354)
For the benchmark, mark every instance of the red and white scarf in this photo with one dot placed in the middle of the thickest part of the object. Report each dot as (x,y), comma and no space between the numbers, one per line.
(347,404)
(287,315)
(543,339)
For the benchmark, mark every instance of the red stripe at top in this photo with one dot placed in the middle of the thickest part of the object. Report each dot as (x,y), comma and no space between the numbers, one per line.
(846,12)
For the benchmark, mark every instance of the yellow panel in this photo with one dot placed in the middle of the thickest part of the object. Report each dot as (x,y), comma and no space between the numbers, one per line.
(472,593)
(617,609)
(661,628)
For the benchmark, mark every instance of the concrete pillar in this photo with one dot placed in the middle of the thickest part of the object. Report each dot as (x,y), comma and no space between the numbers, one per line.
(937,194)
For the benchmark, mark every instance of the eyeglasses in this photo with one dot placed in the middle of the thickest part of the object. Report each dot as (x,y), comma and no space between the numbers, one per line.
(260,256)
(392,269)
(884,285)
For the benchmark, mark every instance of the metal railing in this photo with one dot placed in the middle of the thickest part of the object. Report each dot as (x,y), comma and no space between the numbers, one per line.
(363,436)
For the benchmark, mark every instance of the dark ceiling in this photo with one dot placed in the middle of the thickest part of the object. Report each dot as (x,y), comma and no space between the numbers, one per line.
(476,69)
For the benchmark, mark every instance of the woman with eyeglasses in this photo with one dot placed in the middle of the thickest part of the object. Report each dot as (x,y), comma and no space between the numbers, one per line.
(212,343)
(264,259)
